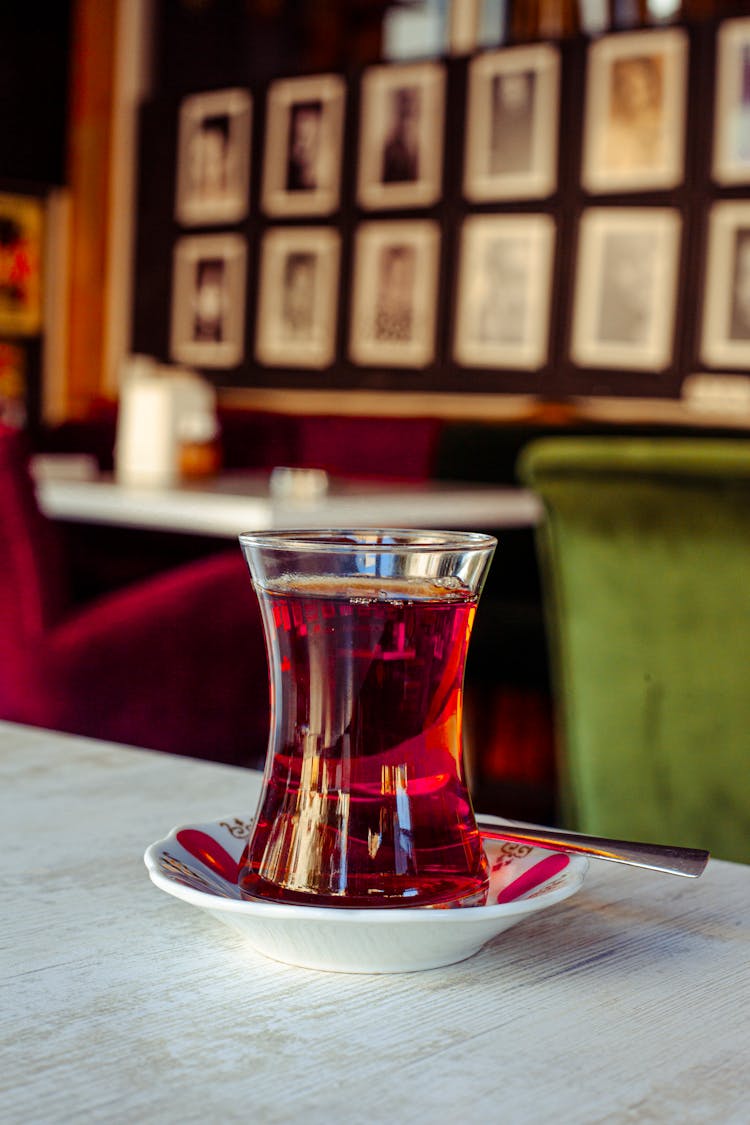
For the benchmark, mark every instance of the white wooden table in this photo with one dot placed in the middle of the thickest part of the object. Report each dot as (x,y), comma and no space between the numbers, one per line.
(237,502)
(628,1003)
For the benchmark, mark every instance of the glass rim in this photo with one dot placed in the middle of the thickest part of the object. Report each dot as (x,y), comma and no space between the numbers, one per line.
(344,540)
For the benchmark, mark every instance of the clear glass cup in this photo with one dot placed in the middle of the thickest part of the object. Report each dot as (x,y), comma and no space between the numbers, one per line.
(364,800)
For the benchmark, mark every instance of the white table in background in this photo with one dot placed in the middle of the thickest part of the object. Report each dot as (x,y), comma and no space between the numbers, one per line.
(628,1003)
(236,502)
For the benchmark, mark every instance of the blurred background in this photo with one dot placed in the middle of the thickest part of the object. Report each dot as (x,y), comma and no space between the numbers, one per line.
(583,167)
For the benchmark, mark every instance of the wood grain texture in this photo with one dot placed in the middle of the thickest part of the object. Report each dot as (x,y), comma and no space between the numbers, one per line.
(626,1004)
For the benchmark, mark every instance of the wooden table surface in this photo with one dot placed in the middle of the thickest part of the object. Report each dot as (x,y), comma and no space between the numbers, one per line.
(627,1003)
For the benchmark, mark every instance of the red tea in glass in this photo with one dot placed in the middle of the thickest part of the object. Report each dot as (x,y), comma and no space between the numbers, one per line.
(364,801)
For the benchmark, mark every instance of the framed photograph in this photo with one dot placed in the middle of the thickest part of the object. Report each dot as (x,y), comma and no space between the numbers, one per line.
(21,236)
(213,158)
(512,123)
(401,136)
(299,275)
(626,288)
(303,143)
(634,129)
(208,300)
(725,340)
(394,307)
(504,290)
(731,155)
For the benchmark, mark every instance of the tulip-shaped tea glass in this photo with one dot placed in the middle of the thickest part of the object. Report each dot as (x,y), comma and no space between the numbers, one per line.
(364,800)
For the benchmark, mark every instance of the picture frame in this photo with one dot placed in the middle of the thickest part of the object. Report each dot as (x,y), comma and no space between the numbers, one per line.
(21,254)
(303,146)
(731,134)
(512,124)
(725,329)
(298,302)
(401,136)
(625,294)
(394,305)
(504,291)
(208,300)
(635,113)
(213,158)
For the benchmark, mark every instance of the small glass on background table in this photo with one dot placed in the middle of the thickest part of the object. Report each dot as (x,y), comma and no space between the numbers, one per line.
(364,800)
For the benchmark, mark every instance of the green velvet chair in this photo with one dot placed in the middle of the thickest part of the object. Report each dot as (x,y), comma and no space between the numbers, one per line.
(645,555)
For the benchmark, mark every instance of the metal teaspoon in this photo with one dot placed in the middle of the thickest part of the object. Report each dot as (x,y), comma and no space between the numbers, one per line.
(689,862)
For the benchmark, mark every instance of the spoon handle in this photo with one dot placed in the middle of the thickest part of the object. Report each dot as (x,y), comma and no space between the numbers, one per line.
(689,862)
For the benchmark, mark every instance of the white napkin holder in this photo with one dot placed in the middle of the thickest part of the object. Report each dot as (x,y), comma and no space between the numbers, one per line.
(160,407)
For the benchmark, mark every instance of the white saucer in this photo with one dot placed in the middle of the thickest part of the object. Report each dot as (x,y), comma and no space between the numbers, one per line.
(199,864)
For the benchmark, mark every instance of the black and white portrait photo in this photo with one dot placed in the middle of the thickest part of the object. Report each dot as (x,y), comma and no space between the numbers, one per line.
(395,293)
(512,121)
(298,285)
(303,146)
(626,297)
(739,324)
(725,338)
(303,157)
(298,299)
(401,135)
(213,158)
(634,132)
(634,137)
(208,300)
(401,144)
(731,155)
(626,288)
(505,279)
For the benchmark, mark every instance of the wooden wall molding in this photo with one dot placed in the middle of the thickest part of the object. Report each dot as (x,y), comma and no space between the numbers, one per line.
(89,141)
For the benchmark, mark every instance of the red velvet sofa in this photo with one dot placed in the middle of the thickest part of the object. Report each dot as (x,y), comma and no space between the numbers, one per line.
(175,663)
